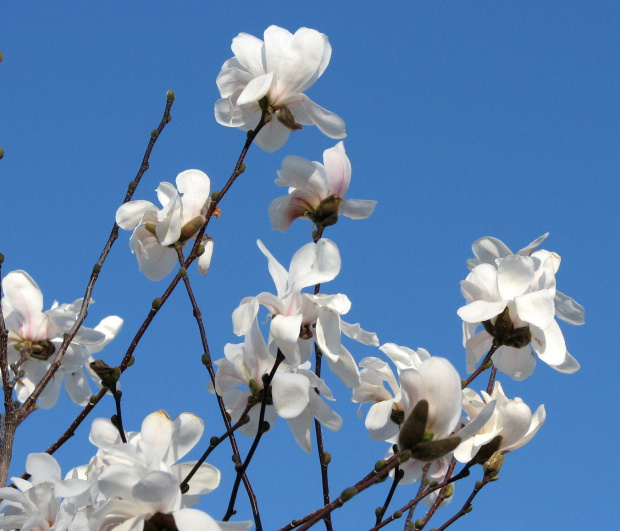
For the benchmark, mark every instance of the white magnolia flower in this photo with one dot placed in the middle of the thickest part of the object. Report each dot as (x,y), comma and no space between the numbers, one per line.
(512,420)
(35,336)
(438,384)
(514,298)
(387,412)
(45,502)
(316,191)
(138,481)
(292,390)
(279,70)
(300,319)
(157,231)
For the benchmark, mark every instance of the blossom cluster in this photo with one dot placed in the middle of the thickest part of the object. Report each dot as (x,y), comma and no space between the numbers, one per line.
(422,410)
(125,486)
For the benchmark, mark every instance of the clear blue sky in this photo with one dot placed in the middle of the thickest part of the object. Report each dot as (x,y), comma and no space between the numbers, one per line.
(464,119)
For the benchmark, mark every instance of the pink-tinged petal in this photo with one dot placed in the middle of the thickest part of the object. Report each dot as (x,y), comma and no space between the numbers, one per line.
(297,172)
(357,208)
(273,136)
(249,52)
(478,311)
(290,392)
(568,309)
(300,426)
(103,433)
(329,124)
(518,363)
(43,468)
(514,276)
(278,273)
(187,431)
(536,308)
(286,209)
(244,315)
(345,368)
(256,89)
(549,344)
(536,423)
(324,414)
(76,385)
(25,300)
(570,365)
(285,332)
(205,480)
(232,79)
(132,213)
(195,186)
(337,170)
(355,331)
(204,260)
(526,251)
(477,347)
(156,431)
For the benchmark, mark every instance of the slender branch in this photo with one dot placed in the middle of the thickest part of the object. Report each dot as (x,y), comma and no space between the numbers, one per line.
(30,402)
(222,407)
(241,468)
(398,475)
(440,497)
(118,421)
(481,368)
(423,483)
(467,506)
(491,383)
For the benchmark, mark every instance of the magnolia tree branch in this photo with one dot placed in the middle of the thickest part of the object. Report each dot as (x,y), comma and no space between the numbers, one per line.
(30,402)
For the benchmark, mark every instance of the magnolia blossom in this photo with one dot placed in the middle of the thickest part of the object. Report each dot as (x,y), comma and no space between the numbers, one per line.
(514,297)
(276,71)
(292,390)
(316,191)
(156,231)
(45,502)
(301,319)
(35,336)
(437,383)
(387,412)
(512,419)
(138,481)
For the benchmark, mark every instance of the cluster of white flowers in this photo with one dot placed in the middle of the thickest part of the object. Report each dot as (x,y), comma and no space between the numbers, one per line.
(125,486)
(35,336)
(423,409)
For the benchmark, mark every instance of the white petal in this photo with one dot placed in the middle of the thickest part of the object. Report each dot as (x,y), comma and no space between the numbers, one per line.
(345,368)
(357,208)
(188,429)
(290,393)
(285,332)
(337,170)
(43,468)
(195,187)
(103,433)
(132,213)
(568,309)
(256,89)
(191,519)
(514,275)
(536,308)
(355,331)
(156,431)
(205,479)
(204,260)
(549,343)
(569,366)
(329,124)
(519,364)
(324,414)
(478,311)
(248,50)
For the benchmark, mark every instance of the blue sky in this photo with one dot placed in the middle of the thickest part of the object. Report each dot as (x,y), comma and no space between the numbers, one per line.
(463,120)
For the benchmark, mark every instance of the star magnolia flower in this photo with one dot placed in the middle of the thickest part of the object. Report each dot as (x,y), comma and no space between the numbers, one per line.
(294,314)
(317,191)
(512,420)
(292,390)
(35,336)
(156,231)
(39,504)
(514,298)
(276,71)
(387,412)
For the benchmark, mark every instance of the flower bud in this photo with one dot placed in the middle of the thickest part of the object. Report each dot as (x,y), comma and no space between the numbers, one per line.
(170,95)
(493,465)
(412,431)
(156,304)
(347,494)
(327,458)
(429,451)
(286,118)
(190,229)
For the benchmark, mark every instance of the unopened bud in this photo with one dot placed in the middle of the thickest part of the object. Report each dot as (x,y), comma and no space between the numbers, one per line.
(156,304)
(327,458)
(183,272)
(493,465)
(214,441)
(205,359)
(191,228)
(448,491)
(241,168)
(379,512)
(96,269)
(132,186)
(347,494)
(184,488)
(397,514)
(170,95)
(200,250)
(380,465)
(215,195)
(287,119)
